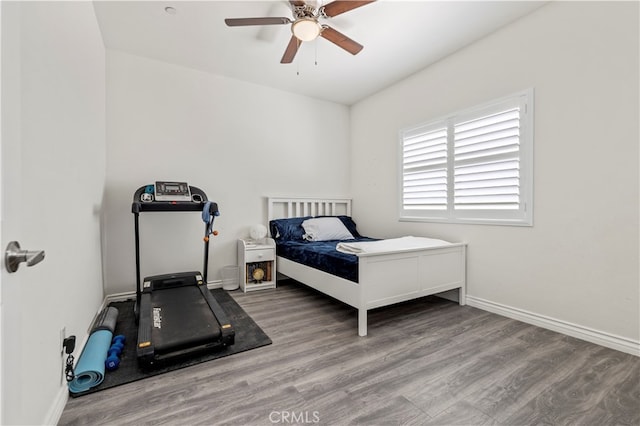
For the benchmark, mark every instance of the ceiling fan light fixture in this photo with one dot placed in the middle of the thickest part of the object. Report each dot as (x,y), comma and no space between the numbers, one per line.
(306,29)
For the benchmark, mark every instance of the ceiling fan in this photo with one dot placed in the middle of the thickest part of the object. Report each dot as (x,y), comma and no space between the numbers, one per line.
(306,25)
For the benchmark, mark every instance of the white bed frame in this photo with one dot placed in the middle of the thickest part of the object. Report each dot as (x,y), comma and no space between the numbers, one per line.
(384,278)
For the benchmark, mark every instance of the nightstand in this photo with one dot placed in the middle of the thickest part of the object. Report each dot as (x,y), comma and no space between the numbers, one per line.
(257,264)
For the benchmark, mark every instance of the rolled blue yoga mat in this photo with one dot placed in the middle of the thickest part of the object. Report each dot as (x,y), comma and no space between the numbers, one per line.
(89,371)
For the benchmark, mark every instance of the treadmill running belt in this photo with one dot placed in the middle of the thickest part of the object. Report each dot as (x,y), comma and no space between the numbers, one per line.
(181,319)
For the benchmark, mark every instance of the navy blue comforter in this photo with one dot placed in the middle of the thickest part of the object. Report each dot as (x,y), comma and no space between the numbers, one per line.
(322,255)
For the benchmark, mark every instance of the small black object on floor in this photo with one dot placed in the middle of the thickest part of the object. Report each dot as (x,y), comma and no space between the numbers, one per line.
(248,336)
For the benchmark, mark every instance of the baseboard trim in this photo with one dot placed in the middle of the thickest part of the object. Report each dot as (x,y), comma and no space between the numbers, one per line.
(601,338)
(56,409)
(128,295)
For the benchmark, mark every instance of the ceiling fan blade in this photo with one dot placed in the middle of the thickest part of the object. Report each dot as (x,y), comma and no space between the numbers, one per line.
(341,40)
(341,6)
(297,2)
(290,52)
(241,22)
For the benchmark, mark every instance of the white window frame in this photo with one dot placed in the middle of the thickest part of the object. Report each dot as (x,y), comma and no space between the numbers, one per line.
(521,213)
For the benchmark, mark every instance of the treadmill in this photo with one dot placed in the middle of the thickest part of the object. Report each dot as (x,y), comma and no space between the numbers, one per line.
(177,315)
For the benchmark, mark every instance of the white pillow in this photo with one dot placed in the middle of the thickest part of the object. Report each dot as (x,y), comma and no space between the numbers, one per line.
(324,229)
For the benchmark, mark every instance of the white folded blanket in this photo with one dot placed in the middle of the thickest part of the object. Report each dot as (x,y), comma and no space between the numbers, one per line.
(391,244)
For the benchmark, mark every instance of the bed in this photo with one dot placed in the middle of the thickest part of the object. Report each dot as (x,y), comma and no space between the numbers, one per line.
(383,277)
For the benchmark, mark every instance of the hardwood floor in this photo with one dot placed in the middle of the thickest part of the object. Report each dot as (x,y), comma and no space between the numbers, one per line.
(424,362)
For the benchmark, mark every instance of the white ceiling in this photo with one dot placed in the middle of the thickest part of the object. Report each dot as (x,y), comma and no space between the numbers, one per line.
(399,38)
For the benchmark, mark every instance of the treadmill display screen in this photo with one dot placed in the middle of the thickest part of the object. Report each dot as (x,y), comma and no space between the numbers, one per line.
(172,191)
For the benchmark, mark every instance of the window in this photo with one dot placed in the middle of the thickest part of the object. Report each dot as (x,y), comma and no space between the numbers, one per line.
(474,166)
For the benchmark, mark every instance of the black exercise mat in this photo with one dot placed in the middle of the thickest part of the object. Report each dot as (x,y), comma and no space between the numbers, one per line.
(248,336)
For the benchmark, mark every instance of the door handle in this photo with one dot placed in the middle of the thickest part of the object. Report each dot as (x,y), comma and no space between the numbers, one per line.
(14,256)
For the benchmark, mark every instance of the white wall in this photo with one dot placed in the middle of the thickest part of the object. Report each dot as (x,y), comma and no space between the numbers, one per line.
(579,262)
(237,141)
(57,106)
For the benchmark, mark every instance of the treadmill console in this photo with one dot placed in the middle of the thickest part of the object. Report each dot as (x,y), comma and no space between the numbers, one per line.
(170,197)
(172,191)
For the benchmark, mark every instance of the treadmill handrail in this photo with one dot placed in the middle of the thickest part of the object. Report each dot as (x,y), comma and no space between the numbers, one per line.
(171,206)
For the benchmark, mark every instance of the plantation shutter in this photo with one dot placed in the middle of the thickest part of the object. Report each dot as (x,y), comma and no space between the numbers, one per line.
(424,169)
(487,162)
(474,166)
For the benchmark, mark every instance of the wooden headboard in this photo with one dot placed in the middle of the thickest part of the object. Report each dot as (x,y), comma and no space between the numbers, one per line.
(282,208)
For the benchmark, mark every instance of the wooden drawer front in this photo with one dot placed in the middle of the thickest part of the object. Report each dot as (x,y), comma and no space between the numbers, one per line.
(259,255)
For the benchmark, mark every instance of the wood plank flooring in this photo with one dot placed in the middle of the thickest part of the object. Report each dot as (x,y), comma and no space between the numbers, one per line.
(424,362)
